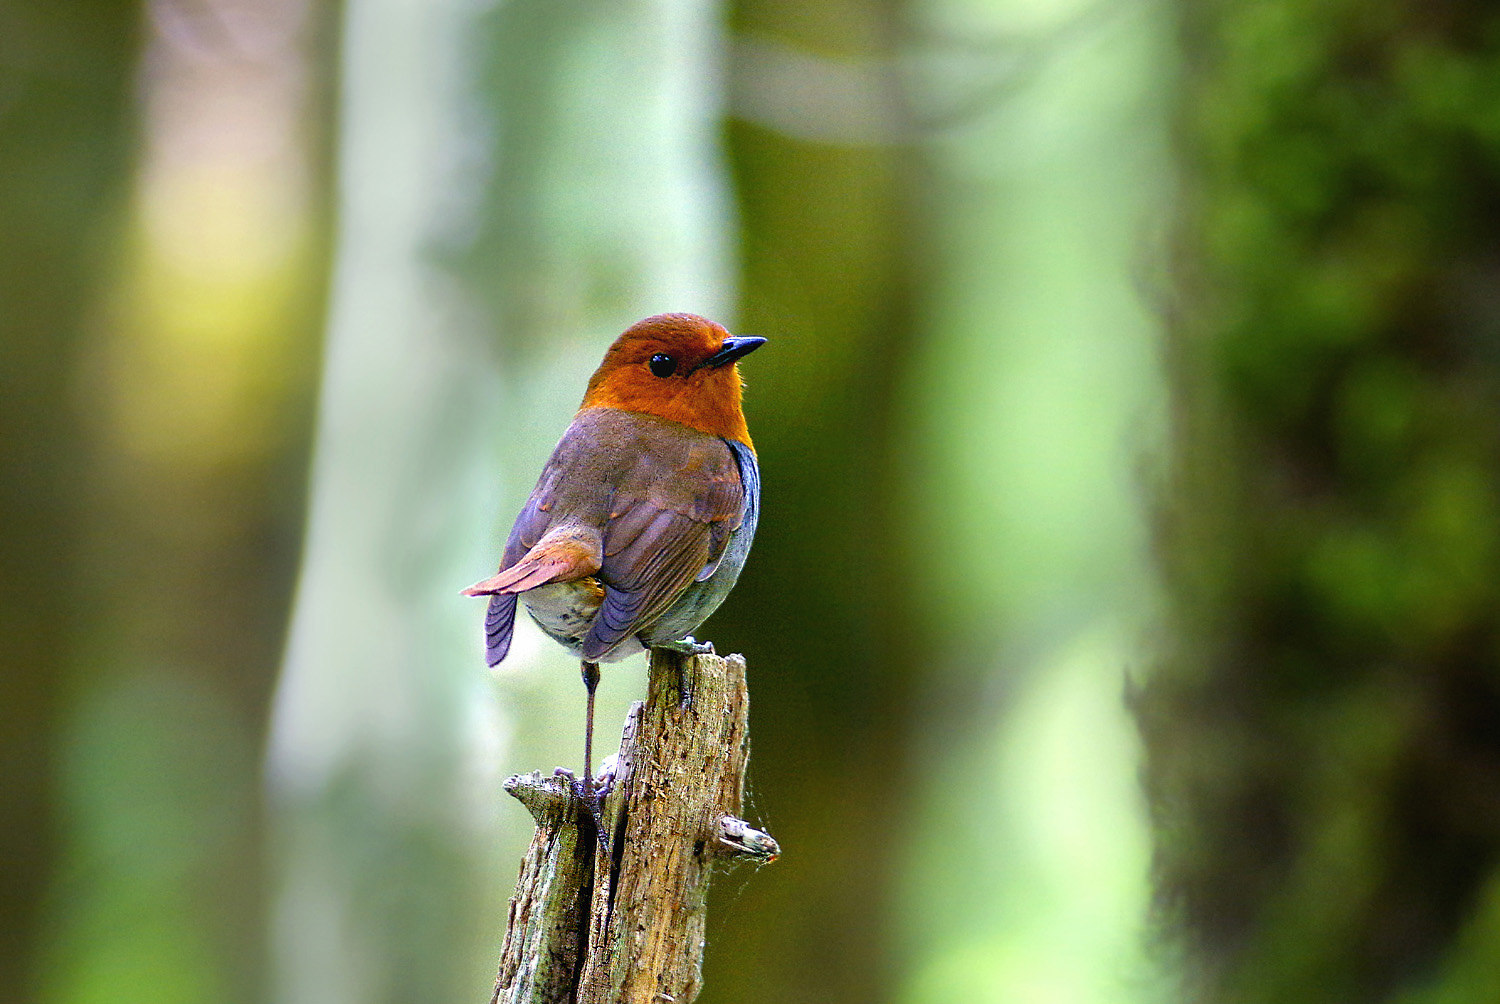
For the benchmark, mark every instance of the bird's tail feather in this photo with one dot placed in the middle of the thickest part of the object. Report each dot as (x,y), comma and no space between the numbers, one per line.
(499,623)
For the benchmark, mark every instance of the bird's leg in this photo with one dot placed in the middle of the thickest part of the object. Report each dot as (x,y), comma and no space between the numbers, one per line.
(584,790)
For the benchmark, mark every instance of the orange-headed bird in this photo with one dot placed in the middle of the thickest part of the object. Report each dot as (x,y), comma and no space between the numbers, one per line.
(642,518)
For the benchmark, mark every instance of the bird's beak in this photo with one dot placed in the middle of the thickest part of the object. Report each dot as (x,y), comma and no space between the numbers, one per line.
(734,347)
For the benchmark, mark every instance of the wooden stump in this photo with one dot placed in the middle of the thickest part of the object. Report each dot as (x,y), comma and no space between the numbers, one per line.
(585,929)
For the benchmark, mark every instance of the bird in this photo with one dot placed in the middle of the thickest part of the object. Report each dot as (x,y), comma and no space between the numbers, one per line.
(643,517)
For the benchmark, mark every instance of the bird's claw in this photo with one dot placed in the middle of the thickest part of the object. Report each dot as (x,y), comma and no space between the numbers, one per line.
(688,645)
(592,795)
(594,801)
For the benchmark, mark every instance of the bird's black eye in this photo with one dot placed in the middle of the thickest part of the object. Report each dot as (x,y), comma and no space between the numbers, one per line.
(663,365)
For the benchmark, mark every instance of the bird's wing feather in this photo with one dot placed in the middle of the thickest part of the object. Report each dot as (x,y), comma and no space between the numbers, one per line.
(670,519)
(565,553)
(642,580)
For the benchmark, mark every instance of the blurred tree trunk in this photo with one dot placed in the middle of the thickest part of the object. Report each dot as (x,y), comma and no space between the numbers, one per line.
(823,170)
(65,72)
(1324,732)
(193,390)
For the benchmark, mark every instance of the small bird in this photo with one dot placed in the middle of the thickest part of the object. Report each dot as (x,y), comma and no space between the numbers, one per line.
(642,518)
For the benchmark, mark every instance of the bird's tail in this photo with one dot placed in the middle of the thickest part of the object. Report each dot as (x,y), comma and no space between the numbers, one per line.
(564,553)
(499,622)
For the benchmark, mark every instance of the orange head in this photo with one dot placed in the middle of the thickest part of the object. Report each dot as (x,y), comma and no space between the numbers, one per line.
(679,367)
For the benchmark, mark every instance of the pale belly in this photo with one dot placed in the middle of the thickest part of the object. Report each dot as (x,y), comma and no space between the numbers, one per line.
(565,611)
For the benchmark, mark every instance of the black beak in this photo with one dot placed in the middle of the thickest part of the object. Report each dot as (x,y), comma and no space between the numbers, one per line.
(734,347)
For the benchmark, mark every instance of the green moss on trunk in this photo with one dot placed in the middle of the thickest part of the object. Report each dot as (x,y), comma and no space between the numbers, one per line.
(1324,732)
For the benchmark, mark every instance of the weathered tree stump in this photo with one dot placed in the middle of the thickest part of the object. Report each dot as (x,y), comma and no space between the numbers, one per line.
(586,929)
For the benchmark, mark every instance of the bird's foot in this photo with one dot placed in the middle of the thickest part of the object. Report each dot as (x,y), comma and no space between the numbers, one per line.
(592,793)
(687,645)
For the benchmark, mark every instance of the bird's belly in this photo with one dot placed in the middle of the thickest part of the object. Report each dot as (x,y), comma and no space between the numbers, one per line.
(566,610)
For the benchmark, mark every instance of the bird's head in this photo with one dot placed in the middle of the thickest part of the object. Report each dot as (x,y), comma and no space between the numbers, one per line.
(679,367)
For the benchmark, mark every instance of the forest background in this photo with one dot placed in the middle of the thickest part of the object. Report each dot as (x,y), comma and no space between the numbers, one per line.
(1121,624)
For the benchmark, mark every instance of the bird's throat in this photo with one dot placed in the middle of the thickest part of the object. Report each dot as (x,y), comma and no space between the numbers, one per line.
(711,406)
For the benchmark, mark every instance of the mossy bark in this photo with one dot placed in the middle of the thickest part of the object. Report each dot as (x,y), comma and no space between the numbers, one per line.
(1323,733)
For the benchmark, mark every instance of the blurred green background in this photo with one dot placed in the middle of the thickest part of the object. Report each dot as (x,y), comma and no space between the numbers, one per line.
(1122,622)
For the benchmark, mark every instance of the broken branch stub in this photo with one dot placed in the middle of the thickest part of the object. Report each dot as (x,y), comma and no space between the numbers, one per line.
(631,930)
